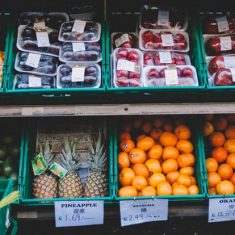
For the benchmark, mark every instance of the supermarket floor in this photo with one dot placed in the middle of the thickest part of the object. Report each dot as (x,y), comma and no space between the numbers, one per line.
(194,226)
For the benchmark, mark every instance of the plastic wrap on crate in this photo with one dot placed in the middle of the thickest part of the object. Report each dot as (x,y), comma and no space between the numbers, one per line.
(127,67)
(52,20)
(219,44)
(124,39)
(218,23)
(80,31)
(154,17)
(82,76)
(80,52)
(27,81)
(161,58)
(27,41)
(152,40)
(183,75)
(37,64)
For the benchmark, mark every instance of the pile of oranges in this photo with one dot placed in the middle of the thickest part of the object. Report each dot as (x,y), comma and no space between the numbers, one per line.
(220,133)
(156,158)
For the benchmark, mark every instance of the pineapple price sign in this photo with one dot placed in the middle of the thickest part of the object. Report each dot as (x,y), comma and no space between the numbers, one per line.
(78,213)
(141,211)
(221,209)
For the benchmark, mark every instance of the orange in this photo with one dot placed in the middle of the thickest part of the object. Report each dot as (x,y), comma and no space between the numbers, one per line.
(186,159)
(123,160)
(219,154)
(124,136)
(208,129)
(127,191)
(168,139)
(184,180)
(232,179)
(225,171)
(168,127)
(137,155)
(127,145)
(230,132)
(174,184)
(209,117)
(164,189)
(125,176)
(182,132)
(146,143)
(184,146)
(231,160)
(171,177)
(193,189)
(140,169)
(212,191)
(211,165)
(156,178)
(147,127)
(156,133)
(155,152)
(180,190)
(169,165)
(229,145)
(187,170)
(137,122)
(158,121)
(225,187)
(193,180)
(153,166)
(220,123)
(217,139)
(170,152)
(213,179)
(139,182)
(149,191)
(140,137)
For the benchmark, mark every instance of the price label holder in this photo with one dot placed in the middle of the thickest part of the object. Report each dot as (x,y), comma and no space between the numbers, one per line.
(141,211)
(167,40)
(78,213)
(35,81)
(221,209)
(165,57)
(128,66)
(226,43)
(79,26)
(171,76)
(33,60)
(78,46)
(222,24)
(78,74)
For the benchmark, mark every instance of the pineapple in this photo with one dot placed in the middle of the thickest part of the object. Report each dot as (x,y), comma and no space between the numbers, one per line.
(97,183)
(71,185)
(45,185)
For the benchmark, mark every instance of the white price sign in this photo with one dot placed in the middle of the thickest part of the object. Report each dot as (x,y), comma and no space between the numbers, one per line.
(78,213)
(226,43)
(171,77)
(33,60)
(78,46)
(165,57)
(221,209)
(167,40)
(141,211)
(35,82)
(78,74)
(42,39)
(128,66)
(163,17)
(119,41)
(222,24)
(79,26)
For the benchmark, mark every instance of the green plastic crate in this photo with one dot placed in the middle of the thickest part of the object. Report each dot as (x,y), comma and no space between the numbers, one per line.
(5,27)
(205,152)
(26,186)
(175,198)
(54,92)
(123,15)
(211,89)
(5,188)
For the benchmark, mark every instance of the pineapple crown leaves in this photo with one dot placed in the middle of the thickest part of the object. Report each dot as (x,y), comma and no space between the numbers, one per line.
(97,154)
(69,156)
(45,150)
